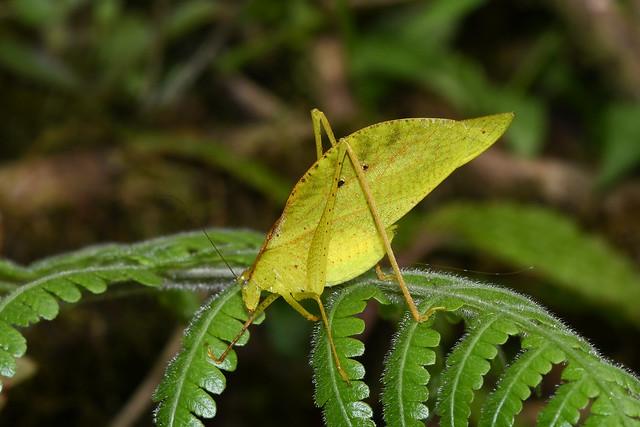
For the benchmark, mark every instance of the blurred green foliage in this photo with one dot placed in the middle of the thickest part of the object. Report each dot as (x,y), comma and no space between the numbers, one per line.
(115,53)
(621,133)
(550,244)
(195,112)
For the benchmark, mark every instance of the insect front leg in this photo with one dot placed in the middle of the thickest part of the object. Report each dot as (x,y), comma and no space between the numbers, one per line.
(319,121)
(261,307)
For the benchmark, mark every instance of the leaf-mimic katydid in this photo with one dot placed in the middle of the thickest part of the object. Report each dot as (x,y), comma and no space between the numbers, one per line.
(340,217)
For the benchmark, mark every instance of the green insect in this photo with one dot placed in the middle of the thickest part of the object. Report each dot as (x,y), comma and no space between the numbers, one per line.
(340,217)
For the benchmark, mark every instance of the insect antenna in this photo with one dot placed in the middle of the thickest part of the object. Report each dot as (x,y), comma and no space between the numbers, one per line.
(485,273)
(171,198)
(220,254)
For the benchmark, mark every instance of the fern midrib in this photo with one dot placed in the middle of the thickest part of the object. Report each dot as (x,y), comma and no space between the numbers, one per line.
(462,363)
(192,352)
(329,356)
(587,367)
(405,351)
(577,384)
(13,272)
(514,380)
(27,287)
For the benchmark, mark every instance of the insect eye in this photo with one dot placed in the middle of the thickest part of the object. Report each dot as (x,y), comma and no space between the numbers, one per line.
(365,166)
(340,182)
(243,280)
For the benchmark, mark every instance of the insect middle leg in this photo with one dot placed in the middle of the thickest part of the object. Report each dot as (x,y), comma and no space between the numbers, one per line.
(325,320)
(385,240)
(299,308)
(382,275)
(319,252)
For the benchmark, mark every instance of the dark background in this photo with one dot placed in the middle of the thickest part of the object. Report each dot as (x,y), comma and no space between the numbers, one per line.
(126,120)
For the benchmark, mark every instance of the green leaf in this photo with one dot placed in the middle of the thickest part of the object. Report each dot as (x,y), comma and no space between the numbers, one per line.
(214,154)
(32,63)
(532,236)
(151,263)
(42,13)
(122,49)
(11,271)
(490,315)
(564,408)
(621,129)
(415,43)
(189,15)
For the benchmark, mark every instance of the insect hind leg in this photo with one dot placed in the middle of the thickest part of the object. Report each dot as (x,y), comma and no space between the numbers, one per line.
(325,321)
(383,236)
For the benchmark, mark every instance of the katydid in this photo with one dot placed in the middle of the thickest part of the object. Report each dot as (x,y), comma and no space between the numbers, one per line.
(340,217)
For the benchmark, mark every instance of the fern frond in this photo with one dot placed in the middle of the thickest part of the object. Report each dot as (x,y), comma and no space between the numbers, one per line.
(564,407)
(342,403)
(150,263)
(524,373)
(184,395)
(495,313)
(405,376)
(491,315)
(177,250)
(467,365)
(37,299)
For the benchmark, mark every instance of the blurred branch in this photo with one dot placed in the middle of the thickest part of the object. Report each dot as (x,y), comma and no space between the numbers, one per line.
(181,79)
(622,210)
(609,33)
(81,178)
(332,86)
(254,98)
(141,398)
(498,174)
(75,178)
(156,52)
